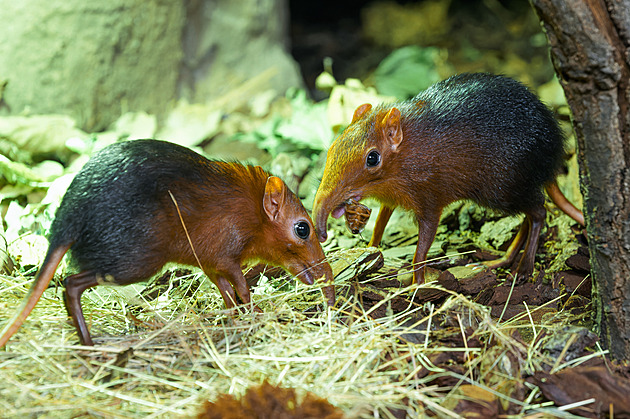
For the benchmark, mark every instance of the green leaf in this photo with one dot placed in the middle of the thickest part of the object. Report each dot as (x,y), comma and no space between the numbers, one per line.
(307,129)
(18,173)
(407,71)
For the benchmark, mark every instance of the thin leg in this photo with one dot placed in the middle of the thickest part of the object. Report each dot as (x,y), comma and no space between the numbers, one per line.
(74,287)
(226,290)
(381,221)
(526,266)
(240,285)
(232,280)
(515,247)
(427,228)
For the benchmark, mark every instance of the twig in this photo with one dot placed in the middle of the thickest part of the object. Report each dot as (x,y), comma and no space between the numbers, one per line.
(185,229)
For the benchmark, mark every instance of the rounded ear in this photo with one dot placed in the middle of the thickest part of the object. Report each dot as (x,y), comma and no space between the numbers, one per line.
(392,131)
(273,200)
(360,111)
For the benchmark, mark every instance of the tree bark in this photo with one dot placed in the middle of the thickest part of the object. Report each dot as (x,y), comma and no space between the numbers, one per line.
(590,50)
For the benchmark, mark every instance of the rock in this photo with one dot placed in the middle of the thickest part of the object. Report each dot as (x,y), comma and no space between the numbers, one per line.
(471,279)
(579,262)
(229,43)
(575,282)
(90,60)
(94,61)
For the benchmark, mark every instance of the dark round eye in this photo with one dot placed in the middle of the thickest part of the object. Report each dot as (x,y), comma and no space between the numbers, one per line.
(302,229)
(373,159)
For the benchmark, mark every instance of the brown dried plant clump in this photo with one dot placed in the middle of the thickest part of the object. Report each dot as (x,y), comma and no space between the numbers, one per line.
(269,401)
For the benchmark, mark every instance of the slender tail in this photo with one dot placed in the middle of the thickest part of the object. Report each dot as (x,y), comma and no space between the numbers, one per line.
(44,276)
(563,203)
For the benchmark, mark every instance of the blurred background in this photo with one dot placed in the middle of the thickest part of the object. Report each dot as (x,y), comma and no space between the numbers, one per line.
(269,82)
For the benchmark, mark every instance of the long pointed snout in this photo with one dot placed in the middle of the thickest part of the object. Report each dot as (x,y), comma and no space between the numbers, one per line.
(316,271)
(321,210)
(330,203)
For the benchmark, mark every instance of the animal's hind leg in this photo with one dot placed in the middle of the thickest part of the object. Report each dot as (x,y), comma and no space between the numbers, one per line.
(517,243)
(74,287)
(536,218)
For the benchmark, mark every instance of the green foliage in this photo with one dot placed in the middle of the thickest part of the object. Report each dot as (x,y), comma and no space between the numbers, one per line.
(17,173)
(407,71)
(306,130)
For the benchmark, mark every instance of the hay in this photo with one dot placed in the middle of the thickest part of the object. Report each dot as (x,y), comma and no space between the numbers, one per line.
(165,357)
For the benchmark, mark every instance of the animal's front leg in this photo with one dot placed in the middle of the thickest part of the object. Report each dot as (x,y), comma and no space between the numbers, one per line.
(381,221)
(225,288)
(234,275)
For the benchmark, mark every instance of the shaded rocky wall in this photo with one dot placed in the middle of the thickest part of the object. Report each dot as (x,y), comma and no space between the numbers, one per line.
(94,60)
(227,43)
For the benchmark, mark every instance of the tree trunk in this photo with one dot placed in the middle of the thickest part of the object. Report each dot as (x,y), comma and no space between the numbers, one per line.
(590,49)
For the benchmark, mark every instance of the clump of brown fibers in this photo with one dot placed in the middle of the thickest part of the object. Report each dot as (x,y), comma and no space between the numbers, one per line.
(269,401)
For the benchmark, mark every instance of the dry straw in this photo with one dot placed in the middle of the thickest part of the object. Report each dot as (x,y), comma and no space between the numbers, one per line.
(163,357)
